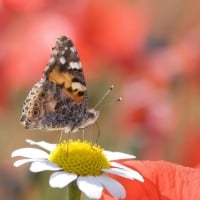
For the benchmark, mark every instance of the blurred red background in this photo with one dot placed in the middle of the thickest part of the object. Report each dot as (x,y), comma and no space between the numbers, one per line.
(150,51)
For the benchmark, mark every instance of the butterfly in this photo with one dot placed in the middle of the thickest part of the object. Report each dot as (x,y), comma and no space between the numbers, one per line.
(59,100)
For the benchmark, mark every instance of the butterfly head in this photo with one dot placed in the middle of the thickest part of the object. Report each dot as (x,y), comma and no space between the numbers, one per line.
(92,116)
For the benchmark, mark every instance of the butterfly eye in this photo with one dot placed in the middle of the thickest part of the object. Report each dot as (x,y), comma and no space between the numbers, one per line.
(36,112)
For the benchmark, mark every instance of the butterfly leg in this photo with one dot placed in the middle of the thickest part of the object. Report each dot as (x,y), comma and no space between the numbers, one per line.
(98,132)
(61,135)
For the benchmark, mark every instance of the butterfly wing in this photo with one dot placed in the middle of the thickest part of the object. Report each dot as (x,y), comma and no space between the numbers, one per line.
(65,69)
(59,100)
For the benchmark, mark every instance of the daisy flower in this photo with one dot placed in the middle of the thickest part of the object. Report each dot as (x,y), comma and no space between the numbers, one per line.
(78,163)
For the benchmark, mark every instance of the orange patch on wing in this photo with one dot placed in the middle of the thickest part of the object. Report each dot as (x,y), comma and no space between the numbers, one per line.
(69,88)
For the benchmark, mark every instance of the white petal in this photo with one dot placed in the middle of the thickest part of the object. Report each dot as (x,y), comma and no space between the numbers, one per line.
(116,164)
(43,166)
(130,174)
(30,153)
(23,161)
(61,179)
(136,174)
(114,188)
(43,144)
(90,186)
(117,155)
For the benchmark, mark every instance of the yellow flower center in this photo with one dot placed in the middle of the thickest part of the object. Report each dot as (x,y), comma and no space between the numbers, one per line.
(81,158)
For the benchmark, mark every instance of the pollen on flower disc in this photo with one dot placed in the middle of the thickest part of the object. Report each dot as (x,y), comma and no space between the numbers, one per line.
(81,158)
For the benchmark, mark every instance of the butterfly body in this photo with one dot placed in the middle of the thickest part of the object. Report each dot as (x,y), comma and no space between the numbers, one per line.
(59,100)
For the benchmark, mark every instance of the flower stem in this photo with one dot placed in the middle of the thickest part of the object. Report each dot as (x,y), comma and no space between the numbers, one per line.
(73,192)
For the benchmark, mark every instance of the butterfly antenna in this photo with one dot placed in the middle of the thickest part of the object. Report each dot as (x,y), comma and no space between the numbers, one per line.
(104,96)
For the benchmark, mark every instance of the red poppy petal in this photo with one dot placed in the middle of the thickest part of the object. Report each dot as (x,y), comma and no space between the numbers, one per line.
(163,180)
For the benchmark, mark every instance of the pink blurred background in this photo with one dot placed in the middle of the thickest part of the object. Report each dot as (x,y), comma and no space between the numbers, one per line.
(150,52)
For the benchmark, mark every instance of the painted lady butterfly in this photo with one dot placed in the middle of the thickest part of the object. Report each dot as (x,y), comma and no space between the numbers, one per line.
(59,100)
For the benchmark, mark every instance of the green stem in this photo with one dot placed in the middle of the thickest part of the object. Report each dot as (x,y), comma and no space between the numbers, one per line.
(73,192)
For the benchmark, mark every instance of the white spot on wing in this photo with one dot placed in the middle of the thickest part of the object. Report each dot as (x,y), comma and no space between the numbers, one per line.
(63,52)
(62,60)
(52,60)
(74,65)
(73,49)
(54,51)
(79,86)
